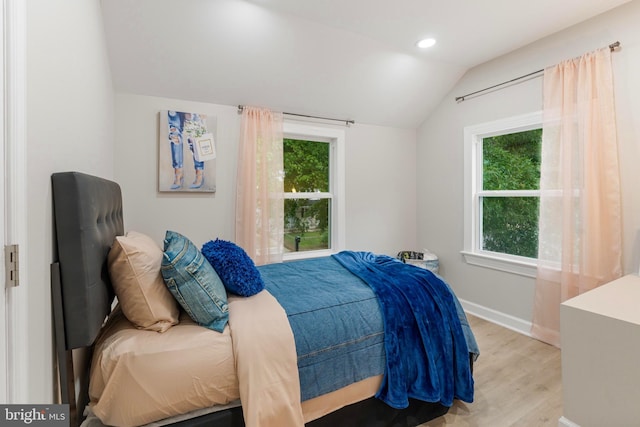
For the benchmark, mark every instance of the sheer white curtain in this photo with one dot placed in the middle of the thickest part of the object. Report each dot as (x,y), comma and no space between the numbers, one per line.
(260,186)
(580,237)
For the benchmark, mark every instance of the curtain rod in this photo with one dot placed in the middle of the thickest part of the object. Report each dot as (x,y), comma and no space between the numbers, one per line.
(459,99)
(346,122)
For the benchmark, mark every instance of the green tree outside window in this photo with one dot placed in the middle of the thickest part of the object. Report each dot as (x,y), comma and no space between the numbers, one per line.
(511,162)
(306,166)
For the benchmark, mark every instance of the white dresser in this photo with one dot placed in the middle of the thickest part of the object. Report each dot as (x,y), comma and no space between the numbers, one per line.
(600,338)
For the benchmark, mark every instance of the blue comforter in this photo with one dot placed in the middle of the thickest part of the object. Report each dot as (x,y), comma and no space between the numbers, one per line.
(336,322)
(342,336)
(426,350)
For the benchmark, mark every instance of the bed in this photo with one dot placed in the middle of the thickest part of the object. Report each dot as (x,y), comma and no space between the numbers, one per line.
(345,368)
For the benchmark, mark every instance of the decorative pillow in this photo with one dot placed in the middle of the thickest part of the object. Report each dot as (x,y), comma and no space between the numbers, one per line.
(236,269)
(194,283)
(134,267)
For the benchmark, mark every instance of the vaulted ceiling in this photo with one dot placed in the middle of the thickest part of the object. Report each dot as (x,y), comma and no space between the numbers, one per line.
(352,59)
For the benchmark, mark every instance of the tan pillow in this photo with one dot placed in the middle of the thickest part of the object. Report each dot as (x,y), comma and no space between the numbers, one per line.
(134,267)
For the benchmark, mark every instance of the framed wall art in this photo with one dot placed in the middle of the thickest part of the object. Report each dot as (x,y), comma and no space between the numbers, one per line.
(187,152)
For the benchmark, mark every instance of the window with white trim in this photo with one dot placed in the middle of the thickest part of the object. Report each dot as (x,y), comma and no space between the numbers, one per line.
(314,190)
(502,177)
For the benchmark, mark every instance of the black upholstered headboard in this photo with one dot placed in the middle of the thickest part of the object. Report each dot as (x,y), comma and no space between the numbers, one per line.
(88,216)
(87,213)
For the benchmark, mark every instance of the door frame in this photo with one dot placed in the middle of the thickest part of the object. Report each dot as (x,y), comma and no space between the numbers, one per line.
(13,338)
(4,330)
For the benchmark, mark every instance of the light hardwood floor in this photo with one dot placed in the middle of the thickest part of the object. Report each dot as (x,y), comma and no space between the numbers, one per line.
(517,382)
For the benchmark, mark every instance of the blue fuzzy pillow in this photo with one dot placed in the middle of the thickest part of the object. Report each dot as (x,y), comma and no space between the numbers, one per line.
(235,268)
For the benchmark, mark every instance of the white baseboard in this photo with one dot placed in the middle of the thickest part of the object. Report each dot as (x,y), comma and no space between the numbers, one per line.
(497,317)
(564,422)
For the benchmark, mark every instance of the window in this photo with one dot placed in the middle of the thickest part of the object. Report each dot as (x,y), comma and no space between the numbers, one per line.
(314,190)
(502,177)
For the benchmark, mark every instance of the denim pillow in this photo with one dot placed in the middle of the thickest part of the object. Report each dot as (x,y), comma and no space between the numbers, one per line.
(194,283)
(236,269)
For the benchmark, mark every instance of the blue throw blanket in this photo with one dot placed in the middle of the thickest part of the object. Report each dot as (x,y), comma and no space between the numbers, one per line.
(427,356)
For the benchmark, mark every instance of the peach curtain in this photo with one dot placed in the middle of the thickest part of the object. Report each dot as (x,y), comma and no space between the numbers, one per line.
(260,186)
(580,237)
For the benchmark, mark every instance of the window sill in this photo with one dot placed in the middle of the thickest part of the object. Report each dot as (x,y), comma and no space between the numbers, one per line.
(519,266)
(292,256)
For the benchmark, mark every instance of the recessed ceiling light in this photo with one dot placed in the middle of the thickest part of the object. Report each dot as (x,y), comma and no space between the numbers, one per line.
(426,43)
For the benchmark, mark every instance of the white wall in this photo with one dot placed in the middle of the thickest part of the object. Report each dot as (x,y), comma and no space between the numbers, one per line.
(441,150)
(380,179)
(69,127)
(381,189)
